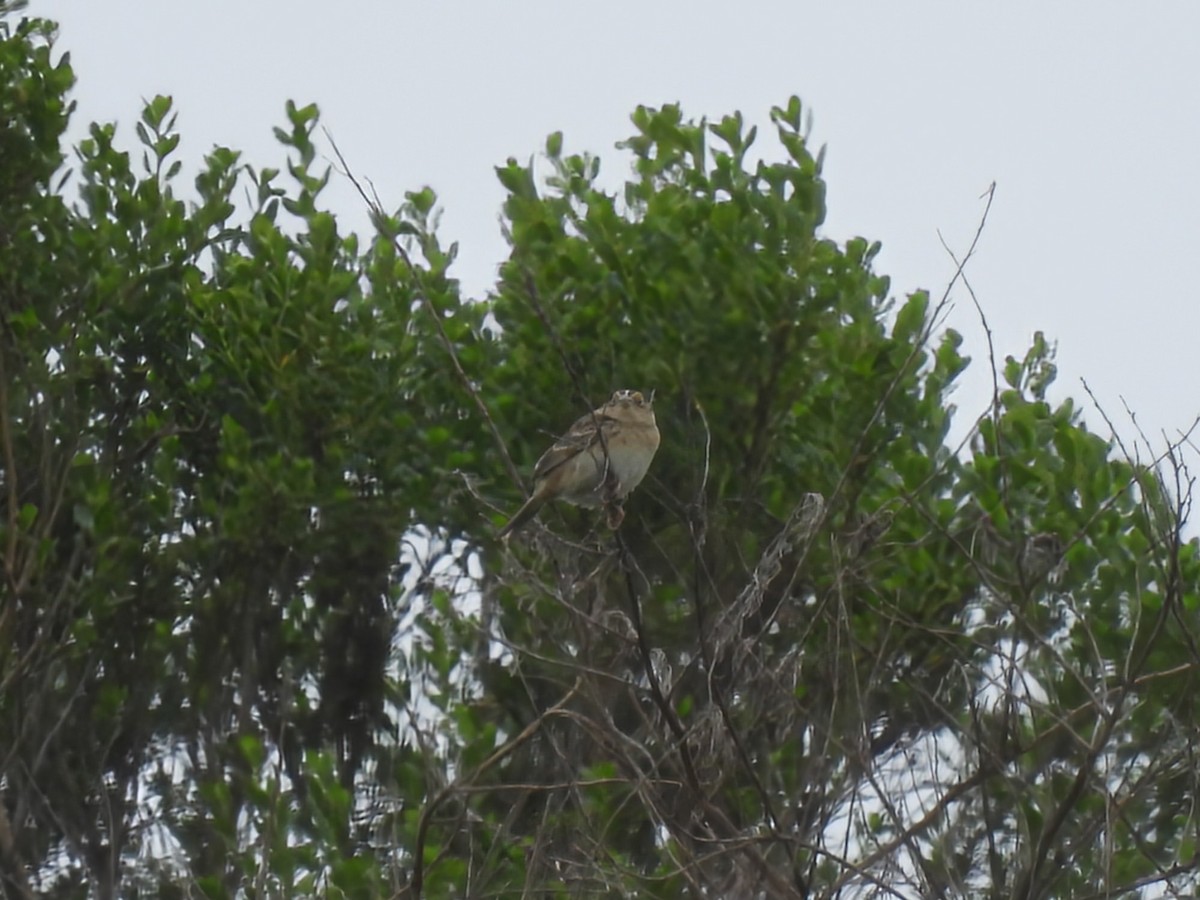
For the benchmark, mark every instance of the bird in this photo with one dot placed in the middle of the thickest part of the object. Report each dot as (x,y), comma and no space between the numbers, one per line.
(1042,557)
(603,457)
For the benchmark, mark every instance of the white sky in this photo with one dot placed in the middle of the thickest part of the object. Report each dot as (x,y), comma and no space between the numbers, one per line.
(1086,114)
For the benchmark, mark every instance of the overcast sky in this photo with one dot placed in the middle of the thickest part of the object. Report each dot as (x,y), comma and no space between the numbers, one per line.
(1085,114)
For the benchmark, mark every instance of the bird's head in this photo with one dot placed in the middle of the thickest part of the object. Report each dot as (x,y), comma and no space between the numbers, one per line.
(628,398)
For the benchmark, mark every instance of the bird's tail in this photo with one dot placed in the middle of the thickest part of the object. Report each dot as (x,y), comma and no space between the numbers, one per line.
(523,515)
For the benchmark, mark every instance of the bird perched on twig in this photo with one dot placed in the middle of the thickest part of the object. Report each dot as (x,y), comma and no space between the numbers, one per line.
(603,457)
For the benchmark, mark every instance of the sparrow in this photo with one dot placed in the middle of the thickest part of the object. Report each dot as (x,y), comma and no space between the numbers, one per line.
(603,457)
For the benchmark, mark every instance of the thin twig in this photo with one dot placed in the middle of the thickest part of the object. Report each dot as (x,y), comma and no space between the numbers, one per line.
(987,330)
(379,218)
(418,876)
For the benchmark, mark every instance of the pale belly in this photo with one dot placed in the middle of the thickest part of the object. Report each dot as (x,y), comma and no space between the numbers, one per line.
(624,472)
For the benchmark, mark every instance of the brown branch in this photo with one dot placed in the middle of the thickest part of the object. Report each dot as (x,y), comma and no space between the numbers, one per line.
(1026,885)
(8,853)
(715,814)
(414,887)
(10,477)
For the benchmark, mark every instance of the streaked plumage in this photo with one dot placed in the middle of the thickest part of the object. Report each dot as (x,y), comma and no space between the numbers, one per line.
(603,457)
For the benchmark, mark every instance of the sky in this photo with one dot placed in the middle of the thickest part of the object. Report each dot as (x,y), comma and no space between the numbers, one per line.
(1086,115)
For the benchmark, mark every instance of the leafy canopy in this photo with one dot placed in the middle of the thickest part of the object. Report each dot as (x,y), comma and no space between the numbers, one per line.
(257,638)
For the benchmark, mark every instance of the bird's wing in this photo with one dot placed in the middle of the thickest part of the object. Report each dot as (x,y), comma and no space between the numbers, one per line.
(580,437)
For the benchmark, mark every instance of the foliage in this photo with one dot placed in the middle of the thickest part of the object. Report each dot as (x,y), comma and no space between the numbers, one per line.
(257,639)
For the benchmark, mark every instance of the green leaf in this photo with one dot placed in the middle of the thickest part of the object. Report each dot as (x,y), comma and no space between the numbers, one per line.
(155,112)
(910,321)
(27,517)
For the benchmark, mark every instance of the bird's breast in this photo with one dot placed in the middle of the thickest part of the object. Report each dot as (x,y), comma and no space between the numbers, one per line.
(621,461)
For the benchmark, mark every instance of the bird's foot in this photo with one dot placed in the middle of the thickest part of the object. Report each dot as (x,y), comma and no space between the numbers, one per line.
(614,515)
